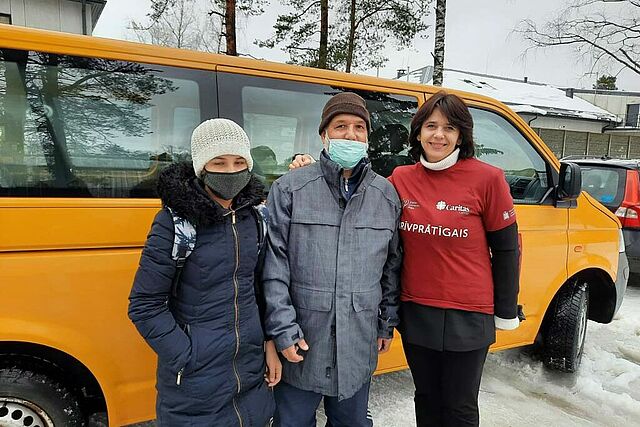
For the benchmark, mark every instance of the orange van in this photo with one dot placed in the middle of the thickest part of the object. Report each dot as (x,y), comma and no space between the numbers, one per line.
(86,124)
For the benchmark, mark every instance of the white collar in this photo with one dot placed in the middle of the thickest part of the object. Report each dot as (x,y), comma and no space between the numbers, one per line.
(445,163)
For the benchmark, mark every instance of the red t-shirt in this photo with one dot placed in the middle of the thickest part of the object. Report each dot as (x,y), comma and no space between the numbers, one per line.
(445,217)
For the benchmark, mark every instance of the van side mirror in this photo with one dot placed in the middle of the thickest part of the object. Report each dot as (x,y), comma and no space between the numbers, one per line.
(570,183)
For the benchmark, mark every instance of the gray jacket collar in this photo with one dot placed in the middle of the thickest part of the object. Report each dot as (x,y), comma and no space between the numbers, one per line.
(332,173)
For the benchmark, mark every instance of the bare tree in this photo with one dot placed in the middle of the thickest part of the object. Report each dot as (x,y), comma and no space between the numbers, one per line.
(596,34)
(183,24)
(224,11)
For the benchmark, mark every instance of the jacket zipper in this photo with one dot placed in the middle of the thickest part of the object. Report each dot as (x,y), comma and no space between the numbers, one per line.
(181,371)
(179,379)
(235,304)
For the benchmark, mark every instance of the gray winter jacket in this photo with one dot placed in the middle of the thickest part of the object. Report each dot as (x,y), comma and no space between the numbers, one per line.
(331,275)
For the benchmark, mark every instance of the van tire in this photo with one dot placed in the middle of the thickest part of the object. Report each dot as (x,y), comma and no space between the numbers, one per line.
(25,393)
(566,328)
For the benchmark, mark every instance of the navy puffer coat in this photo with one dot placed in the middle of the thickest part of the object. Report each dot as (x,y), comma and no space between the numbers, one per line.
(208,338)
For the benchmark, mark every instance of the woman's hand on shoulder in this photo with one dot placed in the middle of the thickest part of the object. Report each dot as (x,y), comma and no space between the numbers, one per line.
(301,160)
(274,367)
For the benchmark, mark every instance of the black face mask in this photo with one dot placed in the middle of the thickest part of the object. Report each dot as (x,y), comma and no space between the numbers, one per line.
(226,185)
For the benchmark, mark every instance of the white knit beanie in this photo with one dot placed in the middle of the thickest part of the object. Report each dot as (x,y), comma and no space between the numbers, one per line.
(217,137)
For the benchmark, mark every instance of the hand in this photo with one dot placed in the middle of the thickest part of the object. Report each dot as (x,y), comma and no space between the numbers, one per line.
(384,344)
(274,366)
(301,160)
(291,353)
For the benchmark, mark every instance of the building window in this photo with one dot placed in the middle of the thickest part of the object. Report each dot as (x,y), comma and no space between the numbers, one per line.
(633,115)
(5,19)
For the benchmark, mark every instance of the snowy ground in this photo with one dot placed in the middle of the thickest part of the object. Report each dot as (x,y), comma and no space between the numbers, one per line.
(518,391)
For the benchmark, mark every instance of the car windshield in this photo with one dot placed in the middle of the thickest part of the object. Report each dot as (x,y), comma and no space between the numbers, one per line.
(605,184)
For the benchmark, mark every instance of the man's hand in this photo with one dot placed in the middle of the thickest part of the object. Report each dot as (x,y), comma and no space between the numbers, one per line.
(274,367)
(291,353)
(301,160)
(384,344)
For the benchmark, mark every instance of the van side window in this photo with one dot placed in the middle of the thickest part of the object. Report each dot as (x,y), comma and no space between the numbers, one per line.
(90,127)
(500,144)
(282,117)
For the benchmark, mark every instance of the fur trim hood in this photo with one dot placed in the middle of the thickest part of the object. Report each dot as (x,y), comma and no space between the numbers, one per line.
(180,190)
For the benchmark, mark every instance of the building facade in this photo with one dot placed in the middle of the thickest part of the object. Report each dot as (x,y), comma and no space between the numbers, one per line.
(625,105)
(71,16)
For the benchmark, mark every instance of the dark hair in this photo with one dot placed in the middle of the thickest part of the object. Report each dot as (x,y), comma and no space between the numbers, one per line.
(456,111)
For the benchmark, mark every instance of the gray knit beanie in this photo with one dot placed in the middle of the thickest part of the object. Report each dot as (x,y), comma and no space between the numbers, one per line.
(217,137)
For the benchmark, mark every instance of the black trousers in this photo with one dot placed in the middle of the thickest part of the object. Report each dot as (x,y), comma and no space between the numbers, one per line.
(447,385)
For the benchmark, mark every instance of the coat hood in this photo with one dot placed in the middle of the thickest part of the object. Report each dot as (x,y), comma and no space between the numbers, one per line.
(180,190)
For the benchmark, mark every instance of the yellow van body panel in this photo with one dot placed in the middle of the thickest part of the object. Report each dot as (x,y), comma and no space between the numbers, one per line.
(70,262)
(75,301)
(97,223)
(543,231)
(592,241)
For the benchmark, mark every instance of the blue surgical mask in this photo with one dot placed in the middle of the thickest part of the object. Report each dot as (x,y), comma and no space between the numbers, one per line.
(345,152)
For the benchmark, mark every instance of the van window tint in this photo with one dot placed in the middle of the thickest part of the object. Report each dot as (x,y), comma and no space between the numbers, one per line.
(500,144)
(89,127)
(606,185)
(282,118)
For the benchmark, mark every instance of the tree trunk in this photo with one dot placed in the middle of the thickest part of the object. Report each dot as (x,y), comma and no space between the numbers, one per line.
(15,106)
(324,33)
(438,50)
(230,27)
(352,35)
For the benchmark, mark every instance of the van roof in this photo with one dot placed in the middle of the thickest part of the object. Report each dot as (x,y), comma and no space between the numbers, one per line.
(12,36)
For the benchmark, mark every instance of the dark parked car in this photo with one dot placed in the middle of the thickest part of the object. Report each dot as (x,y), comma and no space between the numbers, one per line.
(616,184)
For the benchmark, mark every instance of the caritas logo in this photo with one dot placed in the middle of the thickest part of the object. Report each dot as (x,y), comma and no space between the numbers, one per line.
(443,206)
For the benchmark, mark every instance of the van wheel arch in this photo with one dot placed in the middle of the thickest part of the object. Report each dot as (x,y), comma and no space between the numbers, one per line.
(59,368)
(602,294)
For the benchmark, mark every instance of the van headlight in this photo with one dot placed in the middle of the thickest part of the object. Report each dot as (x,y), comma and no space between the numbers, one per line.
(620,240)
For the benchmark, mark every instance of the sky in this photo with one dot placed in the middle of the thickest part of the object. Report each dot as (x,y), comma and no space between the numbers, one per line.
(479,38)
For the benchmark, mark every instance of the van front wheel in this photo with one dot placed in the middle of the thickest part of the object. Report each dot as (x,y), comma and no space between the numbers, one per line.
(32,399)
(566,328)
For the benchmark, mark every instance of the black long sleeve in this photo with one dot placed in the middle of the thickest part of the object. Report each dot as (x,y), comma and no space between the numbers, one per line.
(505,268)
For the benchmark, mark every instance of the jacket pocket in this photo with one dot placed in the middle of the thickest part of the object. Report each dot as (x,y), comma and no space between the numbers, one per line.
(311,299)
(314,217)
(372,241)
(313,243)
(369,300)
(190,365)
(364,323)
(313,314)
(376,223)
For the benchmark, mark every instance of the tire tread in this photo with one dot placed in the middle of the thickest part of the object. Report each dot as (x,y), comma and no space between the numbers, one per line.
(23,377)
(562,351)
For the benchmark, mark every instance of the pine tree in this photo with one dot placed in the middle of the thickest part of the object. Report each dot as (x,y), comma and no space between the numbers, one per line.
(606,82)
(357,36)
